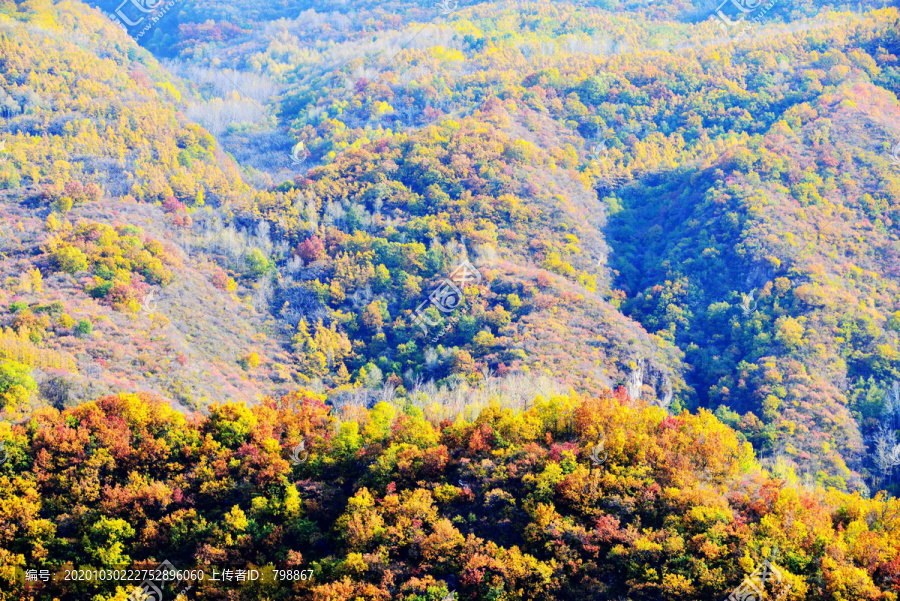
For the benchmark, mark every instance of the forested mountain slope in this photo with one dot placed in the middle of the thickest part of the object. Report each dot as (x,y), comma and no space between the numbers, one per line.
(713,158)
(708,220)
(344,277)
(509,300)
(103,291)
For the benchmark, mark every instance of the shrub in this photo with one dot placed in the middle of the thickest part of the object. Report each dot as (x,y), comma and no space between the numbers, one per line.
(250,361)
(311,249)
(84,328)
(257,263)
(70,259)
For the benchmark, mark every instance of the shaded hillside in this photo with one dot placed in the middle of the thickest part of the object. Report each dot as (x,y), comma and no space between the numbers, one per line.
(666,112)
(776,269)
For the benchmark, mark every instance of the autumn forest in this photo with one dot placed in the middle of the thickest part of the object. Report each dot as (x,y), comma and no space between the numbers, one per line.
(449,300)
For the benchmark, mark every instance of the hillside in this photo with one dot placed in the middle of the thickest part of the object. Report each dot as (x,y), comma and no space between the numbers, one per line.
(103,290)
(462,244)
(222,248)
(712,159)
(472,300)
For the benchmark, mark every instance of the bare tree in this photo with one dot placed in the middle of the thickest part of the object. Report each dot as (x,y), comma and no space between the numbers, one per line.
(293,265)
(416,384)
(387,393)
(431,359)
(264,293)
(459,397)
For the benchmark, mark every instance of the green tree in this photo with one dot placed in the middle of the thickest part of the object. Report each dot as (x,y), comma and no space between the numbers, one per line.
(70,259)
(382,278)
(106,541)
(84,328)
(16,383)
(789,332)
(257,263)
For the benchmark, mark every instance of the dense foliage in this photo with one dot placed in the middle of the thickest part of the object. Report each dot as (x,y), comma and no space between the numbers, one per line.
(225,339)
(385,504)
(710,222)
(747,192)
